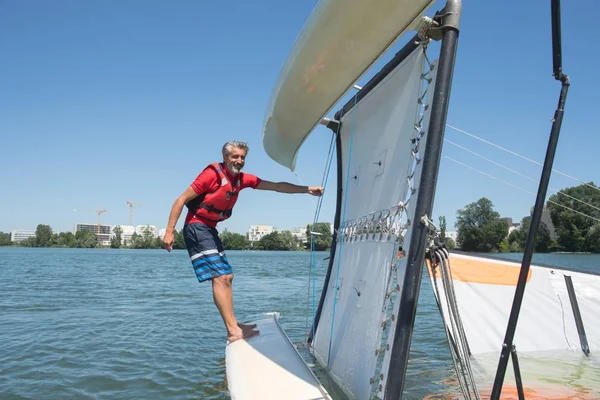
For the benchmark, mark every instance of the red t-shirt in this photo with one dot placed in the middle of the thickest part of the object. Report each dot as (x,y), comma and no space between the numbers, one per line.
(208,181)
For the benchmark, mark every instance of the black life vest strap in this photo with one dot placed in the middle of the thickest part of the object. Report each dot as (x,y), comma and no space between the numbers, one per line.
(212,209)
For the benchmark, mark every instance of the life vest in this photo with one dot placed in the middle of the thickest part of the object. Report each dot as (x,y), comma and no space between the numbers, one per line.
(218,205)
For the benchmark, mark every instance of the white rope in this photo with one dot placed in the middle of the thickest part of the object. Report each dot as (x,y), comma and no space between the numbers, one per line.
(559,191)
(518,187)
(520,156)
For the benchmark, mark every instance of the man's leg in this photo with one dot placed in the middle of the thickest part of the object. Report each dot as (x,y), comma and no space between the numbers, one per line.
(223,296)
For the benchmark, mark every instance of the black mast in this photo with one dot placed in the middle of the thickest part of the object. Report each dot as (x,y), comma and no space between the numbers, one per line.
(539,201)
(449,21)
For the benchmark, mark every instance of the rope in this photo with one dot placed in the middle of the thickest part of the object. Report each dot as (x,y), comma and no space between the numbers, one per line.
(520,156)
(341,224)
(311,274)
(460,350)
(520,188)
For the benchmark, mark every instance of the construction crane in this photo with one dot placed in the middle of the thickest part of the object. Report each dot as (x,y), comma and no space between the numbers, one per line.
(131,204)
(99,212)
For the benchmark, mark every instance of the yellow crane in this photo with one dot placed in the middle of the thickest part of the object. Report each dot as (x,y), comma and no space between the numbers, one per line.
(131,204)
(99,212)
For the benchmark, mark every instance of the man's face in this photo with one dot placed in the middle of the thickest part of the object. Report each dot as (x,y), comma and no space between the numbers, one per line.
(235,160)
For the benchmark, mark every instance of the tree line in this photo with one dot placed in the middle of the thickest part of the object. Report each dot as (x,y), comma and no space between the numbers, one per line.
(574,211)
(575,214)
(284,240)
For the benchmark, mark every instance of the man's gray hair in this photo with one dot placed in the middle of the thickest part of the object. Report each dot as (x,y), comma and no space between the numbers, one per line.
(227,147)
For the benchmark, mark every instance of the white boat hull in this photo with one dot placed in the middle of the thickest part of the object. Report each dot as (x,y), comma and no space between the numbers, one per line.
(340,41)
(268,367)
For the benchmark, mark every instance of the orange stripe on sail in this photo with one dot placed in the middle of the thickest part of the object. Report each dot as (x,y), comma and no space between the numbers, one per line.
(478,270)
(511,393)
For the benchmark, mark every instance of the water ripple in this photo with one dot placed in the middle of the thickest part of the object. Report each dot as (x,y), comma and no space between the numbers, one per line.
(119,324)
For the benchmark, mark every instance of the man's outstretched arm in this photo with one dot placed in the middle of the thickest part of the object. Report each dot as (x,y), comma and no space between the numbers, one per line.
(285,187)
(186,196)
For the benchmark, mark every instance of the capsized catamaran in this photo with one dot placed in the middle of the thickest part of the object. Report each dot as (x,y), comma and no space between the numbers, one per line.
(388,140)
(558,324)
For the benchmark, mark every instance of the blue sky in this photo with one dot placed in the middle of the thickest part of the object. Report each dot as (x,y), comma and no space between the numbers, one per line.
(104,102)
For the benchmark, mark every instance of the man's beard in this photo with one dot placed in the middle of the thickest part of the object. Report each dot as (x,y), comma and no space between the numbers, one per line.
(236,169)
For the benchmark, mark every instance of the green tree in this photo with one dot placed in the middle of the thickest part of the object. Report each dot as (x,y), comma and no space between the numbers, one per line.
(542,240)
(272,241)
(147,238)
(136,241)
(442,233)
(504,246)
(179,240)
(5,239)
(66,239)
(441,237)
(517,239)
(43,235)
(479,227)
(234,241)
(116,240)
(29,242)
(292,243)
(570,217)
(593,239)
(53,240)
(85,239)
(450,243)
(322,240)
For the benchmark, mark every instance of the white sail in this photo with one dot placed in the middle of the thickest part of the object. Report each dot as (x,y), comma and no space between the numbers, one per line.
(377,137)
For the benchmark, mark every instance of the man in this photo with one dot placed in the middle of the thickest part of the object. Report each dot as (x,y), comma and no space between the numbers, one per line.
(210,199)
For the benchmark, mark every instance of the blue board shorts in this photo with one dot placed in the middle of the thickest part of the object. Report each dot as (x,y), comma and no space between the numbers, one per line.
(206,251)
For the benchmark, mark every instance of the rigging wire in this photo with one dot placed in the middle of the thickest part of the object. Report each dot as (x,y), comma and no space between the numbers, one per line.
(311,275)
(337,275)
(559,191)
(518,155)
(518,187)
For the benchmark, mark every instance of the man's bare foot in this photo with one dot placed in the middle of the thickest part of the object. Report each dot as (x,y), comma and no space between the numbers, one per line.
(242,334)
(247,326)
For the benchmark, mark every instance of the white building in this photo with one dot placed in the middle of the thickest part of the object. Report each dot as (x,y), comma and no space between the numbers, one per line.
(256,232)
(127,232)
(452,235)
(102,232)
(17,236)
(140,229)
(299,233)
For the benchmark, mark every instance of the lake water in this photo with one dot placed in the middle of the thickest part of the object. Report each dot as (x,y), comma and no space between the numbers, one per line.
(107,324)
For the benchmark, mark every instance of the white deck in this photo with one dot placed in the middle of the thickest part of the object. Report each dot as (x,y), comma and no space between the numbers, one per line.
(268,366)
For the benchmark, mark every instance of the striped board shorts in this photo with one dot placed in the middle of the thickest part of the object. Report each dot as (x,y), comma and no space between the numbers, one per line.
(206,251)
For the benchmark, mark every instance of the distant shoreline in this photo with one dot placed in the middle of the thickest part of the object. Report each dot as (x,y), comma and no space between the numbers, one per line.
(572,252)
